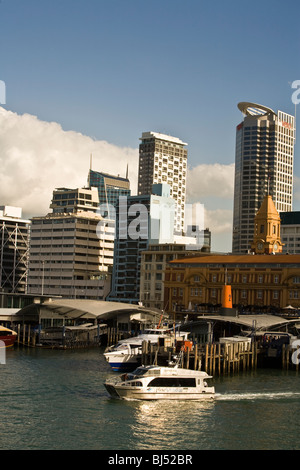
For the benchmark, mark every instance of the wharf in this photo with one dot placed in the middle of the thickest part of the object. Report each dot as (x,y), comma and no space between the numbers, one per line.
(223,358)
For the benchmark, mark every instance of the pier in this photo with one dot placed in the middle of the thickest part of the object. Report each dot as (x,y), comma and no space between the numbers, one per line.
(223,358)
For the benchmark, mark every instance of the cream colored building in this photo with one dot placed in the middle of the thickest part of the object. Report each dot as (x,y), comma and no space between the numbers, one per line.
(163,159)
(71,251)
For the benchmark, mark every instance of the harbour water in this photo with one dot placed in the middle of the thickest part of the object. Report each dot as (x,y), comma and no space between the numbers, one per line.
(55,400)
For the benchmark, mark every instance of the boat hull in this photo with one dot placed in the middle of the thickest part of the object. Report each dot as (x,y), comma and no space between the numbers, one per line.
(8,341)
(123,366)
(151,394)
(123,362)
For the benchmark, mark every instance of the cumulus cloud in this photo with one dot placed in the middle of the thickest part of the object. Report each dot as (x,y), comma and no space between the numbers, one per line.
(36,157)
(208,180)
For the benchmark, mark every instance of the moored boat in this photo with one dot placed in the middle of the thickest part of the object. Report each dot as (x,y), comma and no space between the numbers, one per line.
(7,336)
(157,383)
(126,354)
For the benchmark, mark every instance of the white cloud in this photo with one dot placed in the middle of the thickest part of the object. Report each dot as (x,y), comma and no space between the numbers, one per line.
(36,157)
(213,185)
(208,180)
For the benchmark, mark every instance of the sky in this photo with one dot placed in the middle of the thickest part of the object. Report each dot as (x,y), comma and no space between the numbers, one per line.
(88,77)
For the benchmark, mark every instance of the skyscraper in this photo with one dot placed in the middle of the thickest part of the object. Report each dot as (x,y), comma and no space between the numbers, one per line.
(263,166)
(109,187)
(141,221)
(163,159)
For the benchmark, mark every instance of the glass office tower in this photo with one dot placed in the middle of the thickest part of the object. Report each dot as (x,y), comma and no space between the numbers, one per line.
(263,166)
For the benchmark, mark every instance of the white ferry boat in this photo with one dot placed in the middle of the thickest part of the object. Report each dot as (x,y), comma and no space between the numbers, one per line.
(126,354)
(157,383)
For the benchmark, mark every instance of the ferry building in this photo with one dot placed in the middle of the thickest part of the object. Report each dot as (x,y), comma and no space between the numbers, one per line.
(264,279)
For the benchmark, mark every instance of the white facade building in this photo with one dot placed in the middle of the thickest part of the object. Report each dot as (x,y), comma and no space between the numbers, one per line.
(163,159)
(71,251)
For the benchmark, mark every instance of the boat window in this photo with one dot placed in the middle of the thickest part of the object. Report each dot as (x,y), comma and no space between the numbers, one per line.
(172,382)
(5,333)
(136,384)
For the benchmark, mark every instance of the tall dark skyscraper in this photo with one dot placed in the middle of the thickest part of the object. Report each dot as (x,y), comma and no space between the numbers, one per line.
(263,166)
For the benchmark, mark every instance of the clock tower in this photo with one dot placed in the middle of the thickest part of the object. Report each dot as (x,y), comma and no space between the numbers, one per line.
(267,238)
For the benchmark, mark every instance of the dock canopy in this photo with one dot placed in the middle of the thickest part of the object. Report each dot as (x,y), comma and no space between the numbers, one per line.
(87,310)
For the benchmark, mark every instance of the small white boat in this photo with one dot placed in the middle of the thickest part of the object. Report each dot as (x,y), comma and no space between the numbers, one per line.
(157,383)
(126,354)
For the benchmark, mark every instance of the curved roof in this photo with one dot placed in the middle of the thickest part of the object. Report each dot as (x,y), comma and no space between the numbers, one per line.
(263,322)
(84,309)
(254,109)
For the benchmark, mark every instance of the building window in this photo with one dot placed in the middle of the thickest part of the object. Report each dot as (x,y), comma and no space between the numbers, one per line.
(275,295)
(259,294)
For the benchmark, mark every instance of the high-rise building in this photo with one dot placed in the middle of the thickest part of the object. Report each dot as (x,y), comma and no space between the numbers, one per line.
(163,159)
(14,250)
(109,187)
(141,220)
(71,249)
(263,166)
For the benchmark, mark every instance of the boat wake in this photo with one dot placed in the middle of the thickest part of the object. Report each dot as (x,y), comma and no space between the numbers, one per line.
(257,396)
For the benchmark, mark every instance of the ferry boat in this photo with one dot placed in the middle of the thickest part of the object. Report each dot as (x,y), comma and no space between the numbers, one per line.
(161,383)
(126,354)
(7,336)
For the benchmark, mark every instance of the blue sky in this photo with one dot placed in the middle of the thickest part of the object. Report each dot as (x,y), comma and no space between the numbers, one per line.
(111,69)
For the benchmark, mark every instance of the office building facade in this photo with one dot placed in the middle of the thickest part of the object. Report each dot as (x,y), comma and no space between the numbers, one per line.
(141,220)
(71,249)
(109,187)
(263,166)
(163,159)
(290,232)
